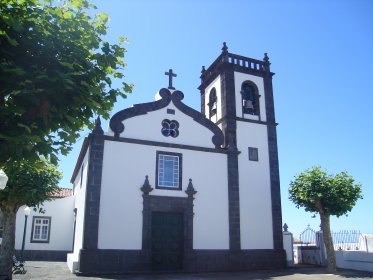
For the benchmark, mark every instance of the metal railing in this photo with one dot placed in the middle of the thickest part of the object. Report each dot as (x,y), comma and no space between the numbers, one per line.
(346,240)
(308,237)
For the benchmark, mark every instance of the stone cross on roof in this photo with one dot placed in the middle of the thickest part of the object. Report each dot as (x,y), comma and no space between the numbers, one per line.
(170,75)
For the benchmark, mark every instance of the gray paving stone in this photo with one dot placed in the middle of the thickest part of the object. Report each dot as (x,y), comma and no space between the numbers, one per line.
(59,271)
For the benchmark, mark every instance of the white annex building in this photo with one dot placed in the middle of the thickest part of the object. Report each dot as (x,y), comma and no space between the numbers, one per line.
(169,188)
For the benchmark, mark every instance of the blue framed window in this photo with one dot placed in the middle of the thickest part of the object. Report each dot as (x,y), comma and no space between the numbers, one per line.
(168,171)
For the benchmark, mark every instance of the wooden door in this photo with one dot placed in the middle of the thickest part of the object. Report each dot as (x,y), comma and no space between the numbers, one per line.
(167,241)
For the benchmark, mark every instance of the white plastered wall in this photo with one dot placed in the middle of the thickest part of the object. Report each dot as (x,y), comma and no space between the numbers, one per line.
(61,226)
(239,78)
(124,169)
(80,185)
(217,85)
(255,191)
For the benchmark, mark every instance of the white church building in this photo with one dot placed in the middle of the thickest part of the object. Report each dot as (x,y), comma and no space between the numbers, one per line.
(169,188)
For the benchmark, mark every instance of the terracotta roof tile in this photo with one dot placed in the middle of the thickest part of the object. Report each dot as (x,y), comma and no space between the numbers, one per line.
(62,192)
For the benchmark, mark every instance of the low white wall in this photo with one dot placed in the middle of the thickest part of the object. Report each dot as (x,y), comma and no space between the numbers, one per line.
(354,260)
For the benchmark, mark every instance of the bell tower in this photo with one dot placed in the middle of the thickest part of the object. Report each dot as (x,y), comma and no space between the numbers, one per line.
(237,95)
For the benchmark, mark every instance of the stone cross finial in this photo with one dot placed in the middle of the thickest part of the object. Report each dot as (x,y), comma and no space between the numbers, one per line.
(266,64)
(170,75)
(224,48)
(98,129)
(146,188)
(190,191)
(285,227)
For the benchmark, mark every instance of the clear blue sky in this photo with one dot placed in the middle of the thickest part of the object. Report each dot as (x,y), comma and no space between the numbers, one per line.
(321,52)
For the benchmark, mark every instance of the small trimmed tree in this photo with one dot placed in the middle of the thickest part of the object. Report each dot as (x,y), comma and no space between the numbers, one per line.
(327,195)
(30,183)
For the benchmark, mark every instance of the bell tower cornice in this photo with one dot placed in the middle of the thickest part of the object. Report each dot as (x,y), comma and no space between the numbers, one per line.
(234,62)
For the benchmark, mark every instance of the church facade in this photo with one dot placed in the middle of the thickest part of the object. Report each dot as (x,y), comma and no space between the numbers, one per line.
(169,188)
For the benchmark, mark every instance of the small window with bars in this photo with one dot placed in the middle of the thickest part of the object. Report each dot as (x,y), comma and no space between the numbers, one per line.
(253,154)
(168,174)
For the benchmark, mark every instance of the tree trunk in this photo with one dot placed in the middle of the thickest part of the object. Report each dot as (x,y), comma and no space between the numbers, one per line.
(330,254)
(7,245)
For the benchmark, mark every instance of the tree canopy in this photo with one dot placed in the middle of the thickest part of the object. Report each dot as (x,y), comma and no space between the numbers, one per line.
(30,183)
(314,190)
(56,74)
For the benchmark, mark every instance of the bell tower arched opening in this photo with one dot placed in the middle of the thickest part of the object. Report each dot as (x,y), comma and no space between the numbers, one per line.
(250,98)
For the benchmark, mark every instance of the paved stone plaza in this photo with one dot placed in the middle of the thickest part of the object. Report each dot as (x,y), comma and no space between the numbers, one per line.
(59,270)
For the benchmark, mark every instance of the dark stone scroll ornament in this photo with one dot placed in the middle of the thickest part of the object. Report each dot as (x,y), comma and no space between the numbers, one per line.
(117,126)
(116,122)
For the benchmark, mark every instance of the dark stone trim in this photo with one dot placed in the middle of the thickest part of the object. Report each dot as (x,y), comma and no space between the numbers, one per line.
(229,127)
(32,229)
(273,162)
(180,156)
(166,145)
(116,122)
(93,191)
(117,126)
(80,159)
(242,260)
(255,121)
(246,120)
(94,262)
(234,202)
(44,255)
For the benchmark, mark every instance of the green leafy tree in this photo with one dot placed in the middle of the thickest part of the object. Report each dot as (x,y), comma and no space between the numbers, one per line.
(327,195)
(56,73)
(30,183)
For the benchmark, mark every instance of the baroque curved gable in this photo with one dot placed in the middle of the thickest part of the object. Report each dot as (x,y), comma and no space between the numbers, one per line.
(117,126)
